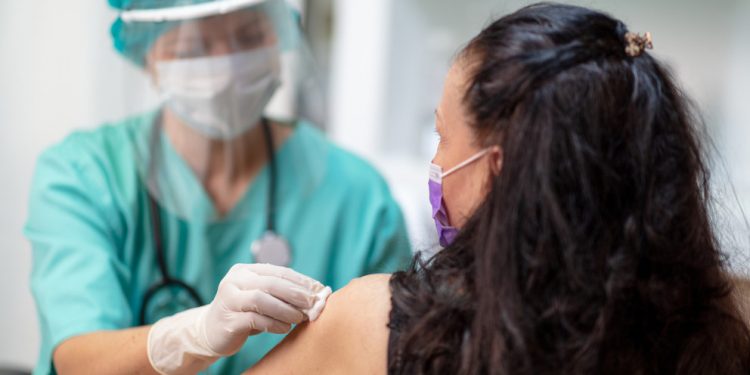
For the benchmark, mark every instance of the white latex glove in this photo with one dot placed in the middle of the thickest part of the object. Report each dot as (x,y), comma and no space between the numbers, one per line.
(252,298)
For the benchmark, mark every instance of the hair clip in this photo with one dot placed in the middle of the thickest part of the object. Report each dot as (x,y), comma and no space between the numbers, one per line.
(637,43)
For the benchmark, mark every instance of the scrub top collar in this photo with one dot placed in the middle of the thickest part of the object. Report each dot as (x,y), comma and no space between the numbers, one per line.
(301,164)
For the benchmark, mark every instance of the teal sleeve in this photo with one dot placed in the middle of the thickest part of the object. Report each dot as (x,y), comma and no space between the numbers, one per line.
(390,249)
(77,279)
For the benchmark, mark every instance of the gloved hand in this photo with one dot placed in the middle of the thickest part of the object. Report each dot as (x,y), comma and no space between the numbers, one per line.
(252,298)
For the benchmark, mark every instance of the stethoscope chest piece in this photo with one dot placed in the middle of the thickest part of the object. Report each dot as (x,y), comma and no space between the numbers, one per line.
(273,249)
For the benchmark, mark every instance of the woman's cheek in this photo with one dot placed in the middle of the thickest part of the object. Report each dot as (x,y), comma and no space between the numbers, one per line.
(453,200)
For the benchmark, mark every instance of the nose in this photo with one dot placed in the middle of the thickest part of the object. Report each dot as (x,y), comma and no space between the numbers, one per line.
(221,47)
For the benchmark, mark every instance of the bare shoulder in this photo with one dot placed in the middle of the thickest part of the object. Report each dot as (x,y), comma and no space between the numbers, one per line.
(350,336)
(358,311)
(371,291)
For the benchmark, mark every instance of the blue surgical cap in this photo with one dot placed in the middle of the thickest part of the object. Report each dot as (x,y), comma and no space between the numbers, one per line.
(134,39)
(152,4)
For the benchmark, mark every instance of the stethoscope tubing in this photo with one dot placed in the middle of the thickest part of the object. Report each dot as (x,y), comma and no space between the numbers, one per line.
(166,279)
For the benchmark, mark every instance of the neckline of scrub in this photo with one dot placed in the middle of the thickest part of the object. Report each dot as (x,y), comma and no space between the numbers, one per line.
(206,208)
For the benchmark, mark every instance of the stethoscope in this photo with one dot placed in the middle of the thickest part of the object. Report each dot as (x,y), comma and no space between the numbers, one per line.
(269,248)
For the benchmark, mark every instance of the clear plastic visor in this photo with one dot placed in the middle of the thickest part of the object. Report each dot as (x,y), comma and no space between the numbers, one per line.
(229,76)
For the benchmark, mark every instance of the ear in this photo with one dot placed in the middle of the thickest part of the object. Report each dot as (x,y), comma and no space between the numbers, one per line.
(496,160)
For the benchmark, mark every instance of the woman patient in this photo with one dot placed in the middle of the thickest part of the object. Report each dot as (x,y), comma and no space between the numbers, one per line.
(570,165)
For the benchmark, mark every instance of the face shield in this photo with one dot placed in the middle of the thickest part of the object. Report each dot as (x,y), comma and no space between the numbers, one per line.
(232,78)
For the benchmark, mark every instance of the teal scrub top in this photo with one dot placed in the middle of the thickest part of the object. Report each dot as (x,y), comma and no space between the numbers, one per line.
(93,253)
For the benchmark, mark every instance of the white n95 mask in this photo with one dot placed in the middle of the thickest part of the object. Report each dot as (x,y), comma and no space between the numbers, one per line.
(220,96)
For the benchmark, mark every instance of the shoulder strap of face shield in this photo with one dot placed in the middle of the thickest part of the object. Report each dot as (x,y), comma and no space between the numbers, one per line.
(187,12)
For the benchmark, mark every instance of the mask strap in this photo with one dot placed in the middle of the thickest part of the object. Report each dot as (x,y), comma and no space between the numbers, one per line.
(467,161)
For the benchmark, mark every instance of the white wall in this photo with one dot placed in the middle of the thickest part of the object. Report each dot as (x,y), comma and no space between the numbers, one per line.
(58,72)
(732,167)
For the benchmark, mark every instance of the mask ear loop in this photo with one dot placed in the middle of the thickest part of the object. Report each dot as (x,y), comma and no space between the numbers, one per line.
(467,161)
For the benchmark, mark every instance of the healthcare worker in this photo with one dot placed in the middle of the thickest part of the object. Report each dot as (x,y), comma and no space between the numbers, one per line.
(145,231)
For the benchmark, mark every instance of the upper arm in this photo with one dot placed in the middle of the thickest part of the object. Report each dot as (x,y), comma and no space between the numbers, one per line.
(350,336)
(75,269)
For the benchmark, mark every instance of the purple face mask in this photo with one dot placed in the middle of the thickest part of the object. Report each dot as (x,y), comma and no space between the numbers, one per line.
(446,233)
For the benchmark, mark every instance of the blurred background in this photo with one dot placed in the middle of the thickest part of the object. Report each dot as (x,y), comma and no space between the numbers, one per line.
(381,64)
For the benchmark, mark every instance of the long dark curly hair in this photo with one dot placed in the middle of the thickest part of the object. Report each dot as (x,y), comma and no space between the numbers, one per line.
(593,252)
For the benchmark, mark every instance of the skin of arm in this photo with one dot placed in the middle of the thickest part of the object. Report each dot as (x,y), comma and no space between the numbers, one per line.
(105,352)
(349,337)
